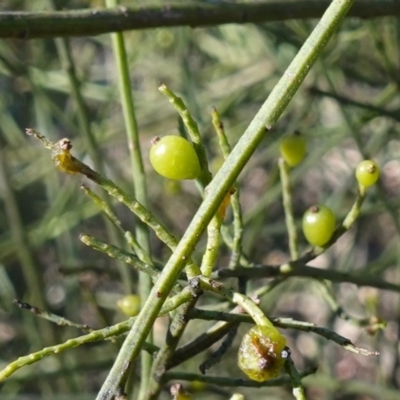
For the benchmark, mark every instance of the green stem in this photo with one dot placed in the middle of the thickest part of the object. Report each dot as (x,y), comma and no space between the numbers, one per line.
(217,355)
(229,382)
(201,343)
(171,304)
(139,179)
(213,241)
(90,22)
(175,331)
(299,270)
(104,207)
(220,186)
(326,291)
(295,380)
(56,319)
(284,323)
(235,197)
(237,298)
(121,255)
(284,170)
(131,240)
(346,101)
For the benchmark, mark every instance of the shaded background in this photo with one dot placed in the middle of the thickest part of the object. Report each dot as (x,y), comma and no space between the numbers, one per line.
(347,108)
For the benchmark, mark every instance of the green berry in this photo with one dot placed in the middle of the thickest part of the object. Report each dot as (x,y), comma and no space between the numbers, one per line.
(293,149)
(318,225)
(129,305)
(261,353)
(367,173)
(174,157)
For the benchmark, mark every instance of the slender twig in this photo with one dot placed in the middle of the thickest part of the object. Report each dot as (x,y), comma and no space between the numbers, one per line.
(28,25)
(237,298)
(326,291)
(284,170)
(201,343)
(104,207)
(126,257)
(94,336)
(212,247)
(284,323)
(232,382)
(120,254)
(61,321)
(235,197)
(216,356)
(138,175)
(343,100)
(133,243)
(295,380)
(101,334)
(131,240)
(305,271)
(175,331)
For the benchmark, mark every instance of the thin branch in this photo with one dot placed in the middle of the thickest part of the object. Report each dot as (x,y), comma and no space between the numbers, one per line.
(305,271)
(61,321)
(284,323)
(175,331)
(295,380)
(284,171)
(102,334)
(225,149)
(232,382)
(30,25)
(346,101)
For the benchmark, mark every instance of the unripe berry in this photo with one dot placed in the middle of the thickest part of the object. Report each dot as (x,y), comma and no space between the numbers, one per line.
(174,157)
(318,225)
(367,173)
(293,149)
(129,305)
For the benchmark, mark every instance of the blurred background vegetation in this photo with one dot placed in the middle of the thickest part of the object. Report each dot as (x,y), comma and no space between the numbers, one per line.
(348,108)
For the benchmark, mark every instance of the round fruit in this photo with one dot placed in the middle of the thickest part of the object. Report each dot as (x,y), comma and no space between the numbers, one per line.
(129,305)
(367,173)
(261,353)
(174,157)
(293,149)
(318,225)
